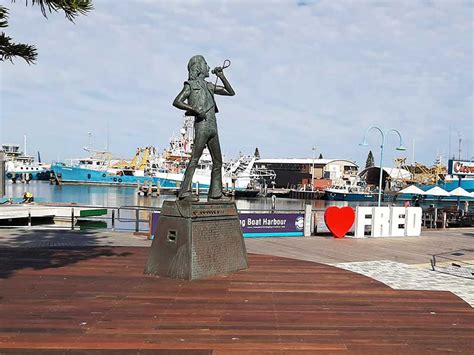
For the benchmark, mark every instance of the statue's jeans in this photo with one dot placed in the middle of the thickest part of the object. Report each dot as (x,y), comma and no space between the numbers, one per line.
(205,133)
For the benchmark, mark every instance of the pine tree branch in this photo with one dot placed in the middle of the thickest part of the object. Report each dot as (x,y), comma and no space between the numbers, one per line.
(71,8)
(3,16)
(8,50)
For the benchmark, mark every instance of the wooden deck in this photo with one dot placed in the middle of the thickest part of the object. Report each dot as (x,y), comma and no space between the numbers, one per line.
(89,300)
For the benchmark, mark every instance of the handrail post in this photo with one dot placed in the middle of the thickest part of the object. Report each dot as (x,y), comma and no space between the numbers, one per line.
(137,219)
(113,220)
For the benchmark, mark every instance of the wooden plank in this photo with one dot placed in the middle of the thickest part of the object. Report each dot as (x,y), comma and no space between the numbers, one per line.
(97,300)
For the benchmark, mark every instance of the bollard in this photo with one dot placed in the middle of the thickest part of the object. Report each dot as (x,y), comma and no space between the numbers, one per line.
(72,218)
(29,218)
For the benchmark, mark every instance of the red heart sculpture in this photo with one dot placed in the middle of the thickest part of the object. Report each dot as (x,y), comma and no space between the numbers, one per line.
(339,220)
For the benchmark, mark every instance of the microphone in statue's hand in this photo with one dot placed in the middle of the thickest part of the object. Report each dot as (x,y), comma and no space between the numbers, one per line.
(216,70)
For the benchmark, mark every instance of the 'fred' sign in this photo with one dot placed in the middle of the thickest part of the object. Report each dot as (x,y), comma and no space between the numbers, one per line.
(388,221)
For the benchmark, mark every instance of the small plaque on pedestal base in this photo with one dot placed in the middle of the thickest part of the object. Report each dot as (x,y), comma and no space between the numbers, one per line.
(195,240)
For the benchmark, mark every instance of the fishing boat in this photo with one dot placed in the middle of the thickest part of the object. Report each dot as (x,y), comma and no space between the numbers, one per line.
(353,188)
(240,176)
(22,167)
(101,168)
(165,170)
(349,193)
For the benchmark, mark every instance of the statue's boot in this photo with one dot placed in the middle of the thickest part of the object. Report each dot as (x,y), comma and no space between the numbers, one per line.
(189,198)
(221,198)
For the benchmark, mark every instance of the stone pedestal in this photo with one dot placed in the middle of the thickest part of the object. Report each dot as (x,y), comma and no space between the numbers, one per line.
(195,240)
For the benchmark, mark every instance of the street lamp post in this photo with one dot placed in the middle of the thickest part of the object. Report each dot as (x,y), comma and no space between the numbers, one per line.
(400,147)
(312,170)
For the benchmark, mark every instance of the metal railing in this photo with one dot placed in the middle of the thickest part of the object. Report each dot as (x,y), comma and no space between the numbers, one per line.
(127,218)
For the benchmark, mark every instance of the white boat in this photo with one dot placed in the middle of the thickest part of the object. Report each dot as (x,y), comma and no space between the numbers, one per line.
(238,175)
(19,166)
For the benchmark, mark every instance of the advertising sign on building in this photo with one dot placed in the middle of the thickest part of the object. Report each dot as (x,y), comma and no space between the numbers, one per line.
(461,167)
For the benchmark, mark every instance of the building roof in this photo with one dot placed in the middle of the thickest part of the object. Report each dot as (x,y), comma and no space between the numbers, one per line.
(394,173)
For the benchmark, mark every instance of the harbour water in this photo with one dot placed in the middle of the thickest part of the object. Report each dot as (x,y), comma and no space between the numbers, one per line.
(114,196)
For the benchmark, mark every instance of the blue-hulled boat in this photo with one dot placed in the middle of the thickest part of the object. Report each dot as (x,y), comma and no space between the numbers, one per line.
(118,177)
(349,193)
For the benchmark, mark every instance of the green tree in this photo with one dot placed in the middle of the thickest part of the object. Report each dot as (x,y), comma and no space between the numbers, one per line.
(320,156)
(256,154)
(10,49)
(370,160)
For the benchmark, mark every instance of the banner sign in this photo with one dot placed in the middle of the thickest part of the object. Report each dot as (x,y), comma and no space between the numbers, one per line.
(461,167)
(272,224)
(154,223)
(260,224)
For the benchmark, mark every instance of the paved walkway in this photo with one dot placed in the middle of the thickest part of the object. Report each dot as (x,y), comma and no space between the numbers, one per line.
(401,263)
(400,276)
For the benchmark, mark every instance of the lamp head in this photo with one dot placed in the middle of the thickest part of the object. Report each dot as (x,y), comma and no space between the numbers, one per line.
(363,144)
(401,148)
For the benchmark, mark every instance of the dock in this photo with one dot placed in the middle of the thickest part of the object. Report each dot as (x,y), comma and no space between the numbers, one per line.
(48,211)
(71,291)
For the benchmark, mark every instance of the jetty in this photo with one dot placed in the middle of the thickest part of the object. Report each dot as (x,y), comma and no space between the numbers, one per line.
(55,212)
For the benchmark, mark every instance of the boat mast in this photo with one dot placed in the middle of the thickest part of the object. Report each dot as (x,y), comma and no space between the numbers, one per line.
(108,136)
(459,149)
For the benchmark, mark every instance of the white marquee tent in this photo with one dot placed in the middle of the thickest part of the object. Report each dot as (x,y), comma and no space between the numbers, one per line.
(437,191)
(460,192)
(412,189)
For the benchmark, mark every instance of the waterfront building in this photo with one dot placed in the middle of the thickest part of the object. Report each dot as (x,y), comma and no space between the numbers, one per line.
(392,178)
(292,172)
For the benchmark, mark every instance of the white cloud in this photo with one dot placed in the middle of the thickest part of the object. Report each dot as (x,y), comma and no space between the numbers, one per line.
(317,74)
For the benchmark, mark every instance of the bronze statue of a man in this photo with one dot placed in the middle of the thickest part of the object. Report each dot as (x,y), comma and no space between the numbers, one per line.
(197,99)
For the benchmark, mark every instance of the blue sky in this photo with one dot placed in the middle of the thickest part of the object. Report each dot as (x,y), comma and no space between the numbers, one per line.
(306,73)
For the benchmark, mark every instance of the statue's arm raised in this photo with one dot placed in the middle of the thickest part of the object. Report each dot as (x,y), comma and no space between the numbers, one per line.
(180,100)
(225,90)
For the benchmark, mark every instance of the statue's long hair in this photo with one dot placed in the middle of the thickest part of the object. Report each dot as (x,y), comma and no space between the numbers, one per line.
(195,67)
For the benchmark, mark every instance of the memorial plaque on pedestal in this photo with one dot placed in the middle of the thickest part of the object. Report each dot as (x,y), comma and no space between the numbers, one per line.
(195,240)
